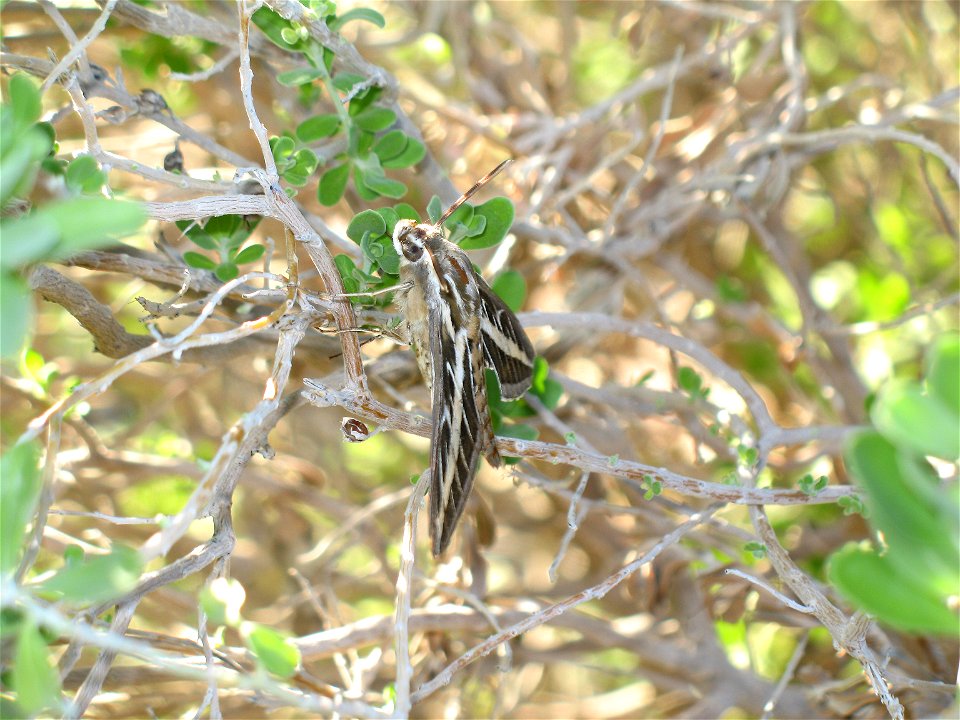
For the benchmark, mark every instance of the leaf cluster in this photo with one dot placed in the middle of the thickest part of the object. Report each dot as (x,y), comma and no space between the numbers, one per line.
(910,580)
(223,235)
(364,130)
(58,229)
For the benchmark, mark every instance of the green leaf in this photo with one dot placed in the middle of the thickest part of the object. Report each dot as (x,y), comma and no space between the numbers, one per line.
(883,296)
(296,178)
(689,380)
(196,260)
(11,620)
(21,157)
(73,554)
(391,145)
(463,214)
(375,119)
(273,651)
(512,289)
(322,8)
(293,34)
(410,156)
(222,227)
(282,147)
(318,127)
(18,493)
(922,422)
(384,186)
(332,185)
(34,678)
(390,217)
(371,252)
(407,212)
(552,392)
(476,226)
(494,397)
(851,504)
(305,160)
(346,268)
(16,306)
(549,391)
(457,233)
(83,174)
(918,520)
(159,494)
(24,102)
(222,601)
(34,368)
(97,577)
(434,209)
(943,372)
(92,222)
(197,234)
(47,130)
(499,214)
(810,486)
(361,13)
(344,82)
(272,25)
(226,271)
(871,582)
(731,290)
(368,221)
(53,166)
(27,239)
(227,231)
(539,374)
(520,431)
(299,76)
(249,254)
(388,259)
(363,191)
(364,99)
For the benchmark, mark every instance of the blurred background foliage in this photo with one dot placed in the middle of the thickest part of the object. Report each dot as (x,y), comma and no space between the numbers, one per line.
(783,205)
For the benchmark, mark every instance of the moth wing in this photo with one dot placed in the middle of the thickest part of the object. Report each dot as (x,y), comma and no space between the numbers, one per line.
(506,347)
(461,420)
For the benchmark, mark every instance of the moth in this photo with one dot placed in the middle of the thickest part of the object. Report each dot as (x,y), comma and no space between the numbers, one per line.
(457,326)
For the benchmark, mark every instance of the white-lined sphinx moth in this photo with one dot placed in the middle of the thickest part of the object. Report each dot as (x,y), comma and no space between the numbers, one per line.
(457,327)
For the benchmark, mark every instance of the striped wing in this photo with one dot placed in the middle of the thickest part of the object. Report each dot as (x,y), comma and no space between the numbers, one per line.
(462,431)
(506,347)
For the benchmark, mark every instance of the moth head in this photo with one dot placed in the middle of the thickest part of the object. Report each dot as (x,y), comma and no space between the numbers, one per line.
(410,239)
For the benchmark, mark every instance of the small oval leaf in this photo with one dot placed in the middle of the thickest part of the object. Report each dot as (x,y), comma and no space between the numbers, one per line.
(226,271)
(249,254)
(361,13)
(332,185)
(383,185)
(499,214)
(318,127)
(368,221)
(97,577)
(512,289)
(413,153)
(298,76)
(391,145)
(196,260)
(274,652)
(375,119)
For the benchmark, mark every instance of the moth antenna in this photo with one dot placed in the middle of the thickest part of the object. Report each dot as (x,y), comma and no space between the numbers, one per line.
(469,193)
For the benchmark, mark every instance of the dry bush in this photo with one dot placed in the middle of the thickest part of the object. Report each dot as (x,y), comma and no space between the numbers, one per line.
(704,200)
